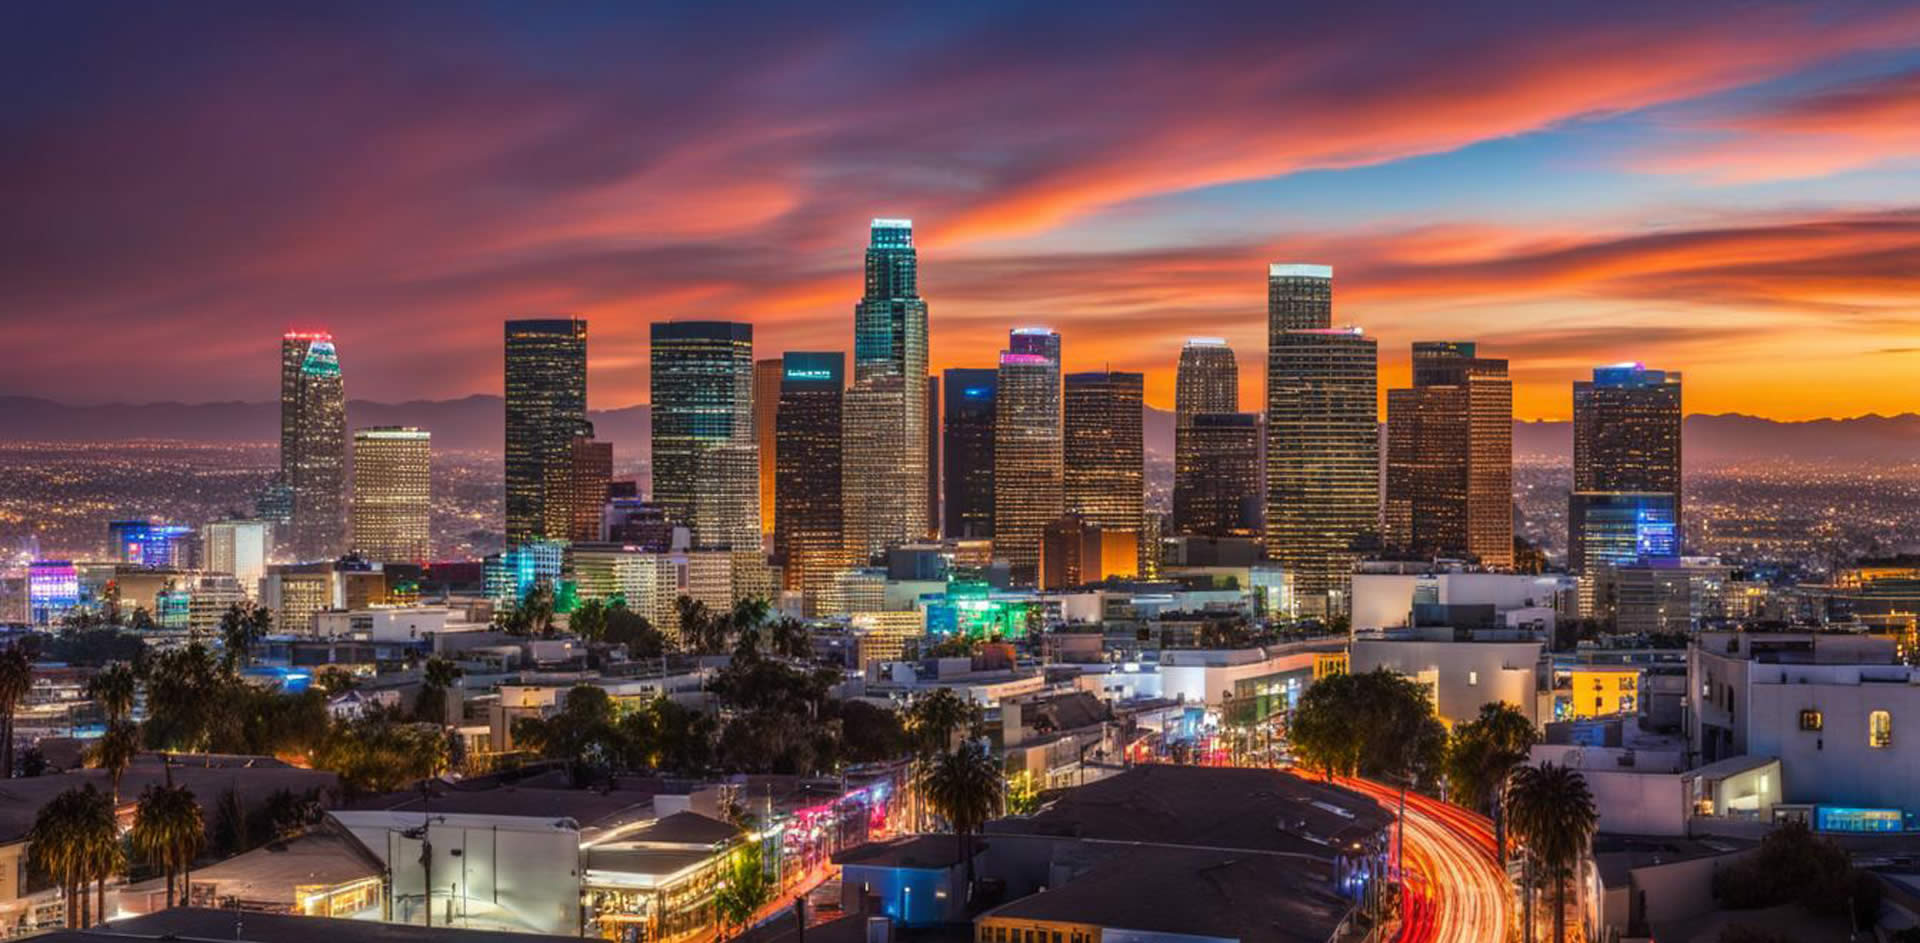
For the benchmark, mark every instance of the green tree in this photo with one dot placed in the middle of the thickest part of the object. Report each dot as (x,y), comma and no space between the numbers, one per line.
(789,639)
(74,841)
(747,886)
(16,679)
(1378,725)
(701,632)
(242,627)
(934,719)
(589,620)
(437,677)
(870,734)
(1552,812)
(114,752)
(183,697)
(169,831)
(635,631)
(376,752)
(114,688)
(965,786)
(582,734)
(1795,865)
(1482,756)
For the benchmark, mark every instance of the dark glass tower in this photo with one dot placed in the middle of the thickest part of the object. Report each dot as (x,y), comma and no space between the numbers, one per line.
(1216,475)
(1626,441)
(702,394)
(888,476)
(1207,383)
(1104,453)
(546,403)
(313,444)
(968,451)
(808,532)
(1450,456)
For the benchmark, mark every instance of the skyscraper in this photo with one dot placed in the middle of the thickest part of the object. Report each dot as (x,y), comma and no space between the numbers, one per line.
(1104,455)
(392,494)
(767,374)
(1217,475)
(886,493)
(1450,456)
(1028,472)
(809,526)
(1323,441)
(702,388)
(968,451)
(1041,341)
(577,488)
(882,505)
(933,456)
(1207,383)
(1626,441)
(313,444)
(546,406)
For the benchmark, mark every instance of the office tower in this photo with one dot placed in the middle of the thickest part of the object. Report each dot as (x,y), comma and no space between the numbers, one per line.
(1028,472)
(890,367)
(146,543)
(1217,475)
(933,456)
(1104,455)
(392,494)
(1076,551)
(809,526)
(767,374)
(1610,528)
(546,405)
(1450,457)
(1299,298)
(881,502)
(236,548)
(1323,440)
(1208,380)
(967,454)
(1626,440)
(702,385)
(577,487)
(313,444)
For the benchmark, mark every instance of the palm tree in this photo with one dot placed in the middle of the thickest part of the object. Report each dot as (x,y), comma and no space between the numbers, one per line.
(16,679)
(789,637)
(242,627)
(113,689)
(436,678)
(696,623)
(966,787)
(114,752)
(1482,757)
(169,831)
(1552,811)
(933,720)
(74,841)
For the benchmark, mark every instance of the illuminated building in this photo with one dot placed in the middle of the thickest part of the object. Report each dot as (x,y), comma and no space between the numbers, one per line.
(809,524)
(1217,475)
(1028,473)
(577,487)
(968,453)
(883,504)
(392,494)
(512,574)
(236,548)
(1104,457)
(546,405)
(1207,383)
(209,598)
(1626,440)
(933,456)
(1075,551)
(1670,596)
(53,590)
(145,543)
(972,609)
(883,636)
(702,387)
(313,444)
(1323,440)
(889,378)
(1610,528)
(1450,457)
(645,580)
(767,373)
(1038,341)
(635,522)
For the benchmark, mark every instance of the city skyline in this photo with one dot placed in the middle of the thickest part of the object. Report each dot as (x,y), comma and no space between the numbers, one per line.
(1558,201)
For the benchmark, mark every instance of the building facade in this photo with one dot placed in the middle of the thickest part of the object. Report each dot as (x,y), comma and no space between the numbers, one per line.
(1217,475)
(1450,457)
(313,444)
(546,407)
(1626,440)
(1028,462)
(968,452)
(702,394)
(808,533)
(392,494)
(767,377)
(890,370)
(1104,457)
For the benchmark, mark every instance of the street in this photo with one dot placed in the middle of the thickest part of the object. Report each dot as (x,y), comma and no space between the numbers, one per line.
(1455,891)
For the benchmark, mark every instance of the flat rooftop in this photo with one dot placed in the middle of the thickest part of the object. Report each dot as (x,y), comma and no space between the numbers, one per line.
(196,923)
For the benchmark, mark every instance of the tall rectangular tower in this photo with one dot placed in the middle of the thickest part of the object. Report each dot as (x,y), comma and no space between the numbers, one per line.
(313,444)
(1626,441)
(767,373)
(809,524)
(1450,456)
(968,451)
(1028,461)
(392,494)
(702,392)
(546,406)
(1103,449)
(889,379)
(1206,383)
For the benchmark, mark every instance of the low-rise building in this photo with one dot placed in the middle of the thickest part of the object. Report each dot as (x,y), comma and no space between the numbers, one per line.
(1463,673)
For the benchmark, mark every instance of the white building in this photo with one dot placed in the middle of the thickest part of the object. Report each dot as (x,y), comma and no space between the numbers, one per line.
(1462,676)
(1384,594)
(238,549)
(386,623)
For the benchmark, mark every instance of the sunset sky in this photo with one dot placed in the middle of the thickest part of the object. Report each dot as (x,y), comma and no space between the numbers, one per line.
(1727,189)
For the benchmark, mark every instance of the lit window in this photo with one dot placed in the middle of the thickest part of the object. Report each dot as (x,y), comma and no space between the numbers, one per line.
(1879,730)
(1473,678)
(1812,720)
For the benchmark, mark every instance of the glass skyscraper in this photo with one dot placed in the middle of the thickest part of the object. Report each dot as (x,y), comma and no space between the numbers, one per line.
(392,494)
(1217,476)
(1626,440)
(887,407)
(1103,449)
(968,451)
(1028,472)
(1323,439)
(313,444)
(1207,383)
(808,525)
(702,393)
(546,407)
(1450,456)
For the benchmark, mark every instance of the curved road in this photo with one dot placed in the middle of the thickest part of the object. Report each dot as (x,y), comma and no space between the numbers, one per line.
(1456,892)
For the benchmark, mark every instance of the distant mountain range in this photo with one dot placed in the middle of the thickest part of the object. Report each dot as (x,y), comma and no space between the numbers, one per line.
(476,423)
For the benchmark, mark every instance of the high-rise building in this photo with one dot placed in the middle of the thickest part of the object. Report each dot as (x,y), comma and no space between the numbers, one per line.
(313,443)
(968,452)
(546,407)
(933,456)
(577,487)
(880,501)
(1323,439)
(809,525)
(1208,380)
(237,548)
(1217,475)
(1611,528)
(1626,440)
(767,375)
(1076,551)
(1104,455)
(1028,459)
(392,494)
(1207,383)
(147,543)
(1450,456)
(702,384)
(890,367)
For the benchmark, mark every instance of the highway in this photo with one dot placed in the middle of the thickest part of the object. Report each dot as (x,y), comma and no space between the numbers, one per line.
(1455,890)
